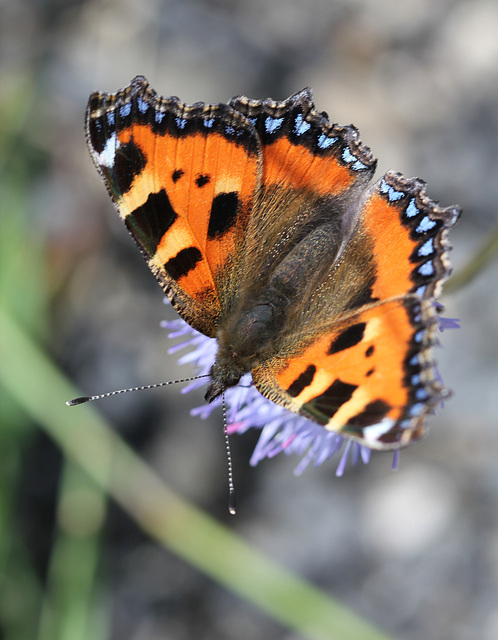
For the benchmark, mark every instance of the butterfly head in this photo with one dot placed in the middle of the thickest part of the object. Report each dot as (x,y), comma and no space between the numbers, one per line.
(223,377)
(243,343)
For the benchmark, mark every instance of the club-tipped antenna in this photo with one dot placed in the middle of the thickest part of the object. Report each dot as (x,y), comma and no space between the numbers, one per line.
(231,488)
(232,508)
(83,399)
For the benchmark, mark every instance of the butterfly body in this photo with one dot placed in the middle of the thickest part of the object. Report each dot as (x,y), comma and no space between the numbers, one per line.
(250,335)
(258,221)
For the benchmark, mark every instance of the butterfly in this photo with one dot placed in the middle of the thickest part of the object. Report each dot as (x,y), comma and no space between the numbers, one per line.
(259,222)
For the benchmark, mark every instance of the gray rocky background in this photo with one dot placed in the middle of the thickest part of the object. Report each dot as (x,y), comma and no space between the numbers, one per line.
(415,552)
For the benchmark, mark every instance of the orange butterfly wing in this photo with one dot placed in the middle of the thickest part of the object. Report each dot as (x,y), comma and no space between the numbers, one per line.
(312,171)
(183,179)
(371,376)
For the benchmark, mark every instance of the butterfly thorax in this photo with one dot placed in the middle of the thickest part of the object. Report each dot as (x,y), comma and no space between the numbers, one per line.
(245,342)
(247,339)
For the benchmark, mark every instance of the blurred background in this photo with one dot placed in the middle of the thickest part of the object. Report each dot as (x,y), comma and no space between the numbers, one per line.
(413,552)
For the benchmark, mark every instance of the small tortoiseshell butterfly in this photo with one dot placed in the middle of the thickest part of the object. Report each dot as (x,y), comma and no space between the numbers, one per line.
(259,223)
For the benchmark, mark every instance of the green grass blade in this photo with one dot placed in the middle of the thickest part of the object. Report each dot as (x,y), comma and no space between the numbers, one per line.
(38,386)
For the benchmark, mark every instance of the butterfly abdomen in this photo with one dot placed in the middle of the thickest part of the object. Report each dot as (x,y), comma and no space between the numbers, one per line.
(309,259)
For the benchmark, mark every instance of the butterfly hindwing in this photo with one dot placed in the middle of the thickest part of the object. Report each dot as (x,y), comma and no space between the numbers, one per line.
(303,150)
(312,173)
(409,235)
(370,375)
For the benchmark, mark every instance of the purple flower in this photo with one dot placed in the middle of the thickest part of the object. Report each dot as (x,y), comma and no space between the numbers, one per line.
(281,430)
(445,323)
(448,323)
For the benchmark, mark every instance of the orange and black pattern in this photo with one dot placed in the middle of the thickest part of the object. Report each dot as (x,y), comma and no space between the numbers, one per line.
(259,223)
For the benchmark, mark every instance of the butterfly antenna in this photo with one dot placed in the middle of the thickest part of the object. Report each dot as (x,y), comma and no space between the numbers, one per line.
(231,488)
(83,399)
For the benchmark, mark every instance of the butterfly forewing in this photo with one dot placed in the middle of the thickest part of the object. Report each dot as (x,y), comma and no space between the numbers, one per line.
(370,374)
(183,179)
